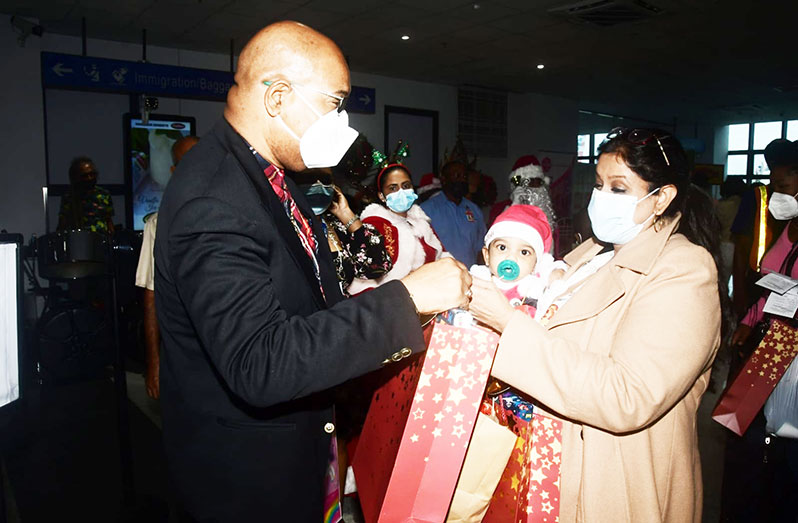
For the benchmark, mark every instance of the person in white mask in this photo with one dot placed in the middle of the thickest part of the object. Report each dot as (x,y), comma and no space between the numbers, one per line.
(753,489)
(254,327)
(624,353)
(403,225)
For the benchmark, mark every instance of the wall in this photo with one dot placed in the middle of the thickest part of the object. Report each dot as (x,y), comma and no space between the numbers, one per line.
(91,123)
(21,135)
(537,124)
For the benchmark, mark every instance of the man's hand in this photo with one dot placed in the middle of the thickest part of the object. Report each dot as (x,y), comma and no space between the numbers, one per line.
(489,305)
(439,286)
(151,379)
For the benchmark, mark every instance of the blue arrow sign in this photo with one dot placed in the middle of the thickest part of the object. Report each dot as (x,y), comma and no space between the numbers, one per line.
(362,100)
(103,74)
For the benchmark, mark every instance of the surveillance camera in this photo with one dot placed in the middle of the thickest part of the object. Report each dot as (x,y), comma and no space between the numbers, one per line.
(25,28)
(150,103)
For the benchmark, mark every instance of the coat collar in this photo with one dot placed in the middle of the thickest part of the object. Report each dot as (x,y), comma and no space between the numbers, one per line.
(239,148)
(602,289)
(639,255)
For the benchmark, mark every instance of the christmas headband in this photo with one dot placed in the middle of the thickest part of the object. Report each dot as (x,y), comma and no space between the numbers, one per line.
(383,162)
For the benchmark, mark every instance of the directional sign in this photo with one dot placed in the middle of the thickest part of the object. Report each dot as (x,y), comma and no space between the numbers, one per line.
(102,74)
(362,100)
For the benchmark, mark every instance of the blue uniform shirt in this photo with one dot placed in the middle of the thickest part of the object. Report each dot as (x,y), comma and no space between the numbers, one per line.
(461,228)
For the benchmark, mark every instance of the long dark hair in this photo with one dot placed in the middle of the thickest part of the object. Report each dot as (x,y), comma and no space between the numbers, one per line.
(659,159)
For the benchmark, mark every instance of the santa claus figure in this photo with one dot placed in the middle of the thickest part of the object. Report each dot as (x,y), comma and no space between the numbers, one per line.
(529,185)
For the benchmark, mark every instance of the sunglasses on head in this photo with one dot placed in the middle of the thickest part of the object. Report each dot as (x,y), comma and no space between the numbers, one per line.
(639,137)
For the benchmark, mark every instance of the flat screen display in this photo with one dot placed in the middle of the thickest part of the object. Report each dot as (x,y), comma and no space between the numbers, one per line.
(148,160)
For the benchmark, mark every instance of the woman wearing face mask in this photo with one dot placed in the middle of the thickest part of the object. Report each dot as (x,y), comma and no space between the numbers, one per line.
(624,353)
(357,248)
(404,226)
(758,479)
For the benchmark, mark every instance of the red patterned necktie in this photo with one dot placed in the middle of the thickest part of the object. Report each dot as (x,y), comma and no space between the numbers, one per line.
(301,224)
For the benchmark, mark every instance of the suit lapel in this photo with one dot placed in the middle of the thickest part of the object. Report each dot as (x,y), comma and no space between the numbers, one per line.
(274,207)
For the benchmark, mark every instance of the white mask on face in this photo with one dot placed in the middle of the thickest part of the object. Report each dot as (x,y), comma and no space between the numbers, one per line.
(612,216)
(783,206)
(326,141)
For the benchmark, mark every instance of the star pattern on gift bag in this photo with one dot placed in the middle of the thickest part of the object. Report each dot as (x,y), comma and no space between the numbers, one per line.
(529,491)
(456,362)
(443,396)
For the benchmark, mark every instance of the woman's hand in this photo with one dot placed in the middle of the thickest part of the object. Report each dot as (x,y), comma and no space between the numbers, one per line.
(740,335)
(489,305)
(340,209)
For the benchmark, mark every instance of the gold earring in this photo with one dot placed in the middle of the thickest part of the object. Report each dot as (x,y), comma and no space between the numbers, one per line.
(658,223)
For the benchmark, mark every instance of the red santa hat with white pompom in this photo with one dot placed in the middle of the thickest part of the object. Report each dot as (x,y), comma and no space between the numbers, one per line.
(525,222)
(528,167)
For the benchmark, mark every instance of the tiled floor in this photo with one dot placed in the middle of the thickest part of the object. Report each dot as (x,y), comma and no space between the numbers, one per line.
(63,459)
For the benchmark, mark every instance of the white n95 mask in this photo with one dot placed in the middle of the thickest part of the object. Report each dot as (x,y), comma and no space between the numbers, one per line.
(612,216)
(783,206)
(326,140)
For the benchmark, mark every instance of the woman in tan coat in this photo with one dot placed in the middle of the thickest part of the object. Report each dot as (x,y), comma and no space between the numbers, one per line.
(624,352)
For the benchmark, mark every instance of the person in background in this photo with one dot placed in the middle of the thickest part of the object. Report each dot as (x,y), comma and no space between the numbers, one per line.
(86,205)
(457,221)
(760,474)
(731,192)
(403,225)
(254,327)
(145,278)
(625,354)
(428,186)
(753,236)
(357,248)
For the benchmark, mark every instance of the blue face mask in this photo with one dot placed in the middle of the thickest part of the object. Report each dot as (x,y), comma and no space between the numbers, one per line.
(401,200)
(319,197)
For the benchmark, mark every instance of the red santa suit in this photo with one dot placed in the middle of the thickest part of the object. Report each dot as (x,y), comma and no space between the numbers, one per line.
(410,241)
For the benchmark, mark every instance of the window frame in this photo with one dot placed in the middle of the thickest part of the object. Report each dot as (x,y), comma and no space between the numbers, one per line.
(750,153)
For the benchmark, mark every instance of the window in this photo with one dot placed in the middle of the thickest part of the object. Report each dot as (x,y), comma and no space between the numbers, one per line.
(746,147)
(482,121)
(587,147)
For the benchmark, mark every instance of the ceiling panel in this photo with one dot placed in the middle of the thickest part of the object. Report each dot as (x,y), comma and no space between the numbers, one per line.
(698,51)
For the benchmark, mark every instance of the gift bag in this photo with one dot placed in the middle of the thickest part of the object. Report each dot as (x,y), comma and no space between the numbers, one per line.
(487,457)
(529,489)
(418,427)
(748,391)
(781,409)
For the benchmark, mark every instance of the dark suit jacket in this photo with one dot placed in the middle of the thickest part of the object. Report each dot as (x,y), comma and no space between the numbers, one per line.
(250,347)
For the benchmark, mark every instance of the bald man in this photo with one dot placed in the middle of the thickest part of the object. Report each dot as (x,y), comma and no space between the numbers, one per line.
(254,329)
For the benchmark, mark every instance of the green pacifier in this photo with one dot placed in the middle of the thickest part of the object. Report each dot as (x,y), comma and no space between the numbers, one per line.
(508,270)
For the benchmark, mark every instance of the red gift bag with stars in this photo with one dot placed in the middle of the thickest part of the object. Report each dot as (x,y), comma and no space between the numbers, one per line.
(749,390)
(419,423)
(529,490)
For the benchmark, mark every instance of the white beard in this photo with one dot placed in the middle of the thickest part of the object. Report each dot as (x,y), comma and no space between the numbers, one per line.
(538,196)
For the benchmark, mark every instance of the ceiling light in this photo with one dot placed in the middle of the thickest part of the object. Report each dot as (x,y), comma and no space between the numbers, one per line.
(405,37)
(541,66)
(476,6)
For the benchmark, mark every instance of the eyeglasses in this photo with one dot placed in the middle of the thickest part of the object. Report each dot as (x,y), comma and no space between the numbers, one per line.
(341,99)
(639,137)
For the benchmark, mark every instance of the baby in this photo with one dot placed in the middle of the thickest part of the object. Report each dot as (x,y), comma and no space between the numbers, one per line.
(517,255)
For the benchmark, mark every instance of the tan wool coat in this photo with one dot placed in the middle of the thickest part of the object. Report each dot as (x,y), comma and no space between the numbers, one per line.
(624,363)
